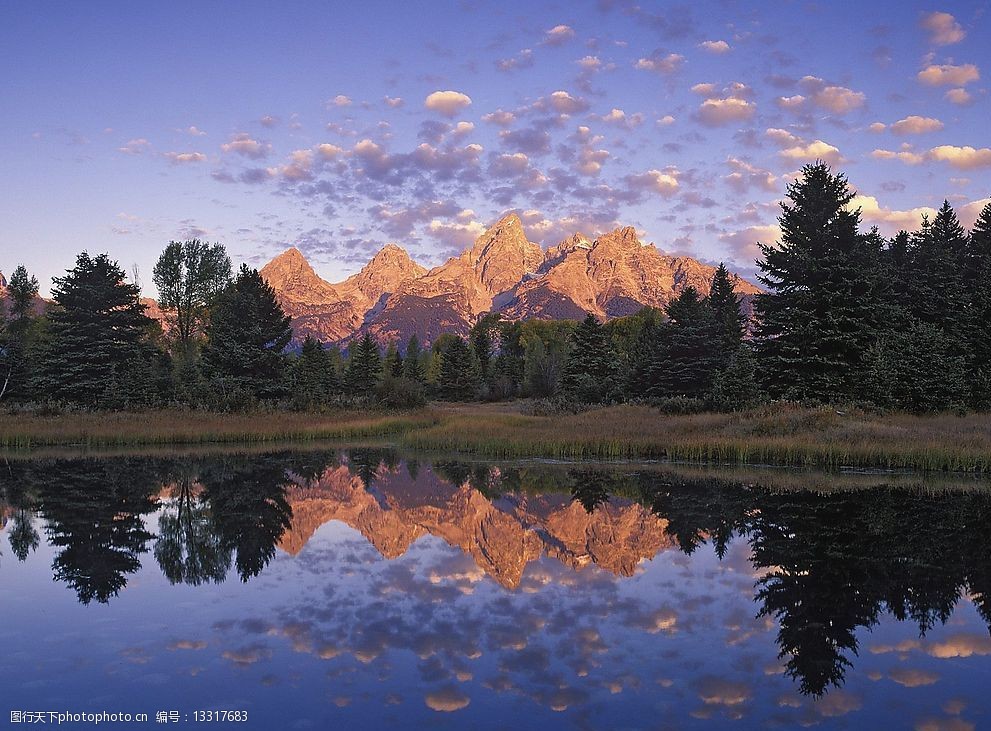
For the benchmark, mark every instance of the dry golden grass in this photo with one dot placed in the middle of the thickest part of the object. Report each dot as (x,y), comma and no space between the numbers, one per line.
(773,435)
(780,434)
(152,428)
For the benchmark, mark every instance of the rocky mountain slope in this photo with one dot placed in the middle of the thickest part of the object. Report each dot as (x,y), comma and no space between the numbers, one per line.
(611,275)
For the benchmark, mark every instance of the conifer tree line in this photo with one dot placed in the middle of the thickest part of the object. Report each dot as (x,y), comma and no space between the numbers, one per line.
(847,316)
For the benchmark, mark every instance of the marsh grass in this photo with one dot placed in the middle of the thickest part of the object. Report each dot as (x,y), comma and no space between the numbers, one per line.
(775,435)
(161,428)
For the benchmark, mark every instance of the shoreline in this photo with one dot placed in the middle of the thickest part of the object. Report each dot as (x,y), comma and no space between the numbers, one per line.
(780,435)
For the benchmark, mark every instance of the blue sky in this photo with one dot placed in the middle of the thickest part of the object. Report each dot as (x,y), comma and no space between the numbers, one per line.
(339,127)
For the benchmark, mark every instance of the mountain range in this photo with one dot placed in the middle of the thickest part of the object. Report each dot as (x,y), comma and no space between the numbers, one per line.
(393,297)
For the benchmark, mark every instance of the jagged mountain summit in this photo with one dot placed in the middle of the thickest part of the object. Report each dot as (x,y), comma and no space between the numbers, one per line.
(393,297)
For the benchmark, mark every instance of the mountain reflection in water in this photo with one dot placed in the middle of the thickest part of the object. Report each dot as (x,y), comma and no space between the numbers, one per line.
(824,566)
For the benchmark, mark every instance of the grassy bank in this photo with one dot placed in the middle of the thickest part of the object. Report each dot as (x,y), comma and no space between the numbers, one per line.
(158,428)
(780,435)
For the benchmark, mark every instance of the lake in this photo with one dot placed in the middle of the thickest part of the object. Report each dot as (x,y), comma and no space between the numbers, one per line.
(366,589)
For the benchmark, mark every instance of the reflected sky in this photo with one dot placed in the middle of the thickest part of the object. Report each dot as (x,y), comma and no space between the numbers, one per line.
(316,589)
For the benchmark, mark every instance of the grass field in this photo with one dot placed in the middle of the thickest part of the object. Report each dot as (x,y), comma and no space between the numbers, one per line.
(778,435)
(188,428)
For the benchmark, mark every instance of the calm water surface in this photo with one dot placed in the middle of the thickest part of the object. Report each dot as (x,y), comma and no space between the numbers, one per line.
(359,590)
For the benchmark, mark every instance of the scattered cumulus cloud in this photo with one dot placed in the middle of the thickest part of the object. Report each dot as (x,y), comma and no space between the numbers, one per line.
(663,64)
(559,35)
(944,30)
(949,75)
(135,146)
(182,158)
(815,150)
(244,145)
(448,103)
(717,47)
(831,97)
(914,125)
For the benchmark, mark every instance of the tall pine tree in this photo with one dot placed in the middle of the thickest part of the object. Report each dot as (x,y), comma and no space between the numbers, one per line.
(978,280)
(459,371)
(99,353)
(589,374)
(364,367)
(816,320)
(246,337)
(724,303)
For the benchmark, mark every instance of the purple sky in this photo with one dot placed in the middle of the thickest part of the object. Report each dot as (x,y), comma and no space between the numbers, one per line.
(341,127)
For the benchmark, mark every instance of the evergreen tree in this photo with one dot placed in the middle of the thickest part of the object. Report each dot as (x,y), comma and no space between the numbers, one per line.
(589,374)
(725,306)
(247,334)
(16,340)
(99,344)
(978,278)
(918,369)
(735,387)
(364,367)
(689,352)
(190,275)
(459,371)
(393,366)
(816,320)
(315,380)
(413,368)
(938,289)
(480,338)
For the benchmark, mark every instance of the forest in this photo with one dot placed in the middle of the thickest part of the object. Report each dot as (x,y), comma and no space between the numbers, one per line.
(847,317)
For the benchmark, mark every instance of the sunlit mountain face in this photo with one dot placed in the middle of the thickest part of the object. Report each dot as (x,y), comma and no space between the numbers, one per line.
(339,129)
(372,589)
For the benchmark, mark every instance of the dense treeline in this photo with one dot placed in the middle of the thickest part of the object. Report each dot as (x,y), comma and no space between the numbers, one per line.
(847,317)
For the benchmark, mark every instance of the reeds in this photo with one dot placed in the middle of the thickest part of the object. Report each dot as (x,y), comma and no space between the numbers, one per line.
(780,435)
(96,429)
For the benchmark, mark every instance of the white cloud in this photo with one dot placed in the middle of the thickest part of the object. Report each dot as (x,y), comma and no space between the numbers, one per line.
(181,158)
(906,156)
(717,47)
(448,103)
(715,112)
(782,137)
(564,103)
(960,97)
(888,220)
(341,101)
(914,125)
(135,146)
(878,127)
(620,118)
(816,150)
(745,175)
(499,117)
(949,75)
(243,144)
(664,65)
(666,120)
(962,158)
(790,102)
(832,98)
(943,29)
(393,101)
(589,62)
(559,34)
(328,151)
(663,182)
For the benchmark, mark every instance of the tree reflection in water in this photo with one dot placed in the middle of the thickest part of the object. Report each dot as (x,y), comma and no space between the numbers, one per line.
(828,564)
